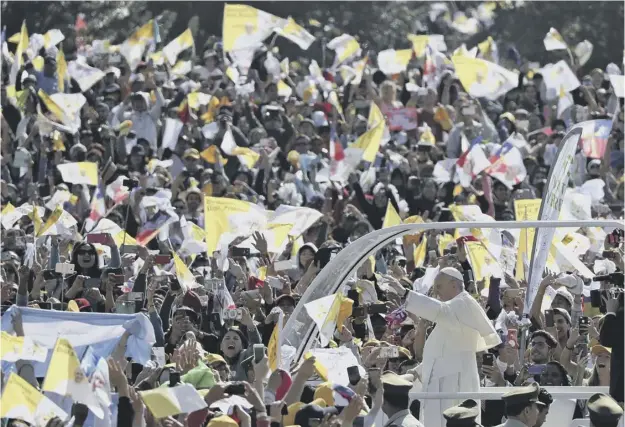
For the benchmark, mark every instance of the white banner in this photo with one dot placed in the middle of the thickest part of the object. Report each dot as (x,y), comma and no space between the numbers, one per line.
(557,183)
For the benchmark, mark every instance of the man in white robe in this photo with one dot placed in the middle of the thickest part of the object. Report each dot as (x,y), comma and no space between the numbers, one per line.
(449,356)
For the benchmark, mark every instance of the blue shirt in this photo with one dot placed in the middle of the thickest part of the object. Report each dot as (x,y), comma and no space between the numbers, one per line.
(49,85)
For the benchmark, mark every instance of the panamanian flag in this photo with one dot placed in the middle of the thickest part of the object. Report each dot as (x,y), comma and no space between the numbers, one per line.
(507,165)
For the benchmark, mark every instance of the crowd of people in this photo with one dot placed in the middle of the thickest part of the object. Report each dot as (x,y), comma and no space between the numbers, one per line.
(162,222)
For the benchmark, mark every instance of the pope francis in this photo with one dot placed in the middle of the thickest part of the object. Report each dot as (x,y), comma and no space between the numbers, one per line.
(449,356)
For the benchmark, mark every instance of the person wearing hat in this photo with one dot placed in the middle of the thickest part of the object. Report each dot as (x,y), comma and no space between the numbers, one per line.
(544,403)
(521,406)
(397,401)
(463,415)
(603,411)
(462,329)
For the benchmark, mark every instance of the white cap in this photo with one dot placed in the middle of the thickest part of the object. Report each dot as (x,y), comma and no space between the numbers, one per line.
(452,272)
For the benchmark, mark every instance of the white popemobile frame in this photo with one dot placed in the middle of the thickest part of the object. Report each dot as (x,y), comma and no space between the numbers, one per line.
(301,333)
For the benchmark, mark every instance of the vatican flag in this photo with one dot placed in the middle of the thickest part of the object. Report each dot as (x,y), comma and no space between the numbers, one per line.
(22,401)
(393,61)
(484,79)
(296,34)
(273,349)
(245,27)
(245,155)
(79,173)
(22,45)
(325,312)
(181,43)
(420,42)
(84,75)
(66,377)
(345,47)
(391,218)
(227,218)
(554,41)
(52,38)
(183,274)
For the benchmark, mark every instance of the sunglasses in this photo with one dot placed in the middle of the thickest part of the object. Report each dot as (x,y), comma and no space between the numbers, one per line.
(84,253)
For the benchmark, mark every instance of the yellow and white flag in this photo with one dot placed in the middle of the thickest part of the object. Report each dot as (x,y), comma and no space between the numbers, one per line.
(391,218)
(132,49)
(371,140)
(245,27)
(52,38)
(61,69)
(22,401)
(393,61)
(60,114)
(14,348)
(227,218)
(325,312)
(464,24)
(52,219)
(79,173)
(554,41)
(484,79)
(420,42)
(420,252)
(558,76)
(482,262)
(18,62)
(181,43)
(246,156)
(183,274)
(273,349)
(296,33)
(66,377)
(565,100)
(345,47)
(169,401)
(84,75)
(463,51)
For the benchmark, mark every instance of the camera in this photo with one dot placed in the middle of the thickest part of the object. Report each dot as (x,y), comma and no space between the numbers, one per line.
(614,278)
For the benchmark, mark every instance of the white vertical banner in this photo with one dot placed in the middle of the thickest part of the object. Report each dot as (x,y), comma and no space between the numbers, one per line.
(557,183)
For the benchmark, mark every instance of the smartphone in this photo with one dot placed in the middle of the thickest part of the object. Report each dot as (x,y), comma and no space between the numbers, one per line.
(536,369)
(240,252)
(130,183)
(376,309)
(174,285)
(354,375)
(549,322)
(488,359)
(253,294)
(162,259)
(259,352)
(432,256)
(96,238)
(469,110)
(174,378)
(233,314)
(237,389)
(389,352)
(130,249)
(116,279)
(283,265)
(609,254)
(584,322)
(358,312)
(50,275)
(64,268)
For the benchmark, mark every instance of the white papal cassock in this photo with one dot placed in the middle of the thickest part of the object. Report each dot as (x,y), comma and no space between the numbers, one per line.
(449,364)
